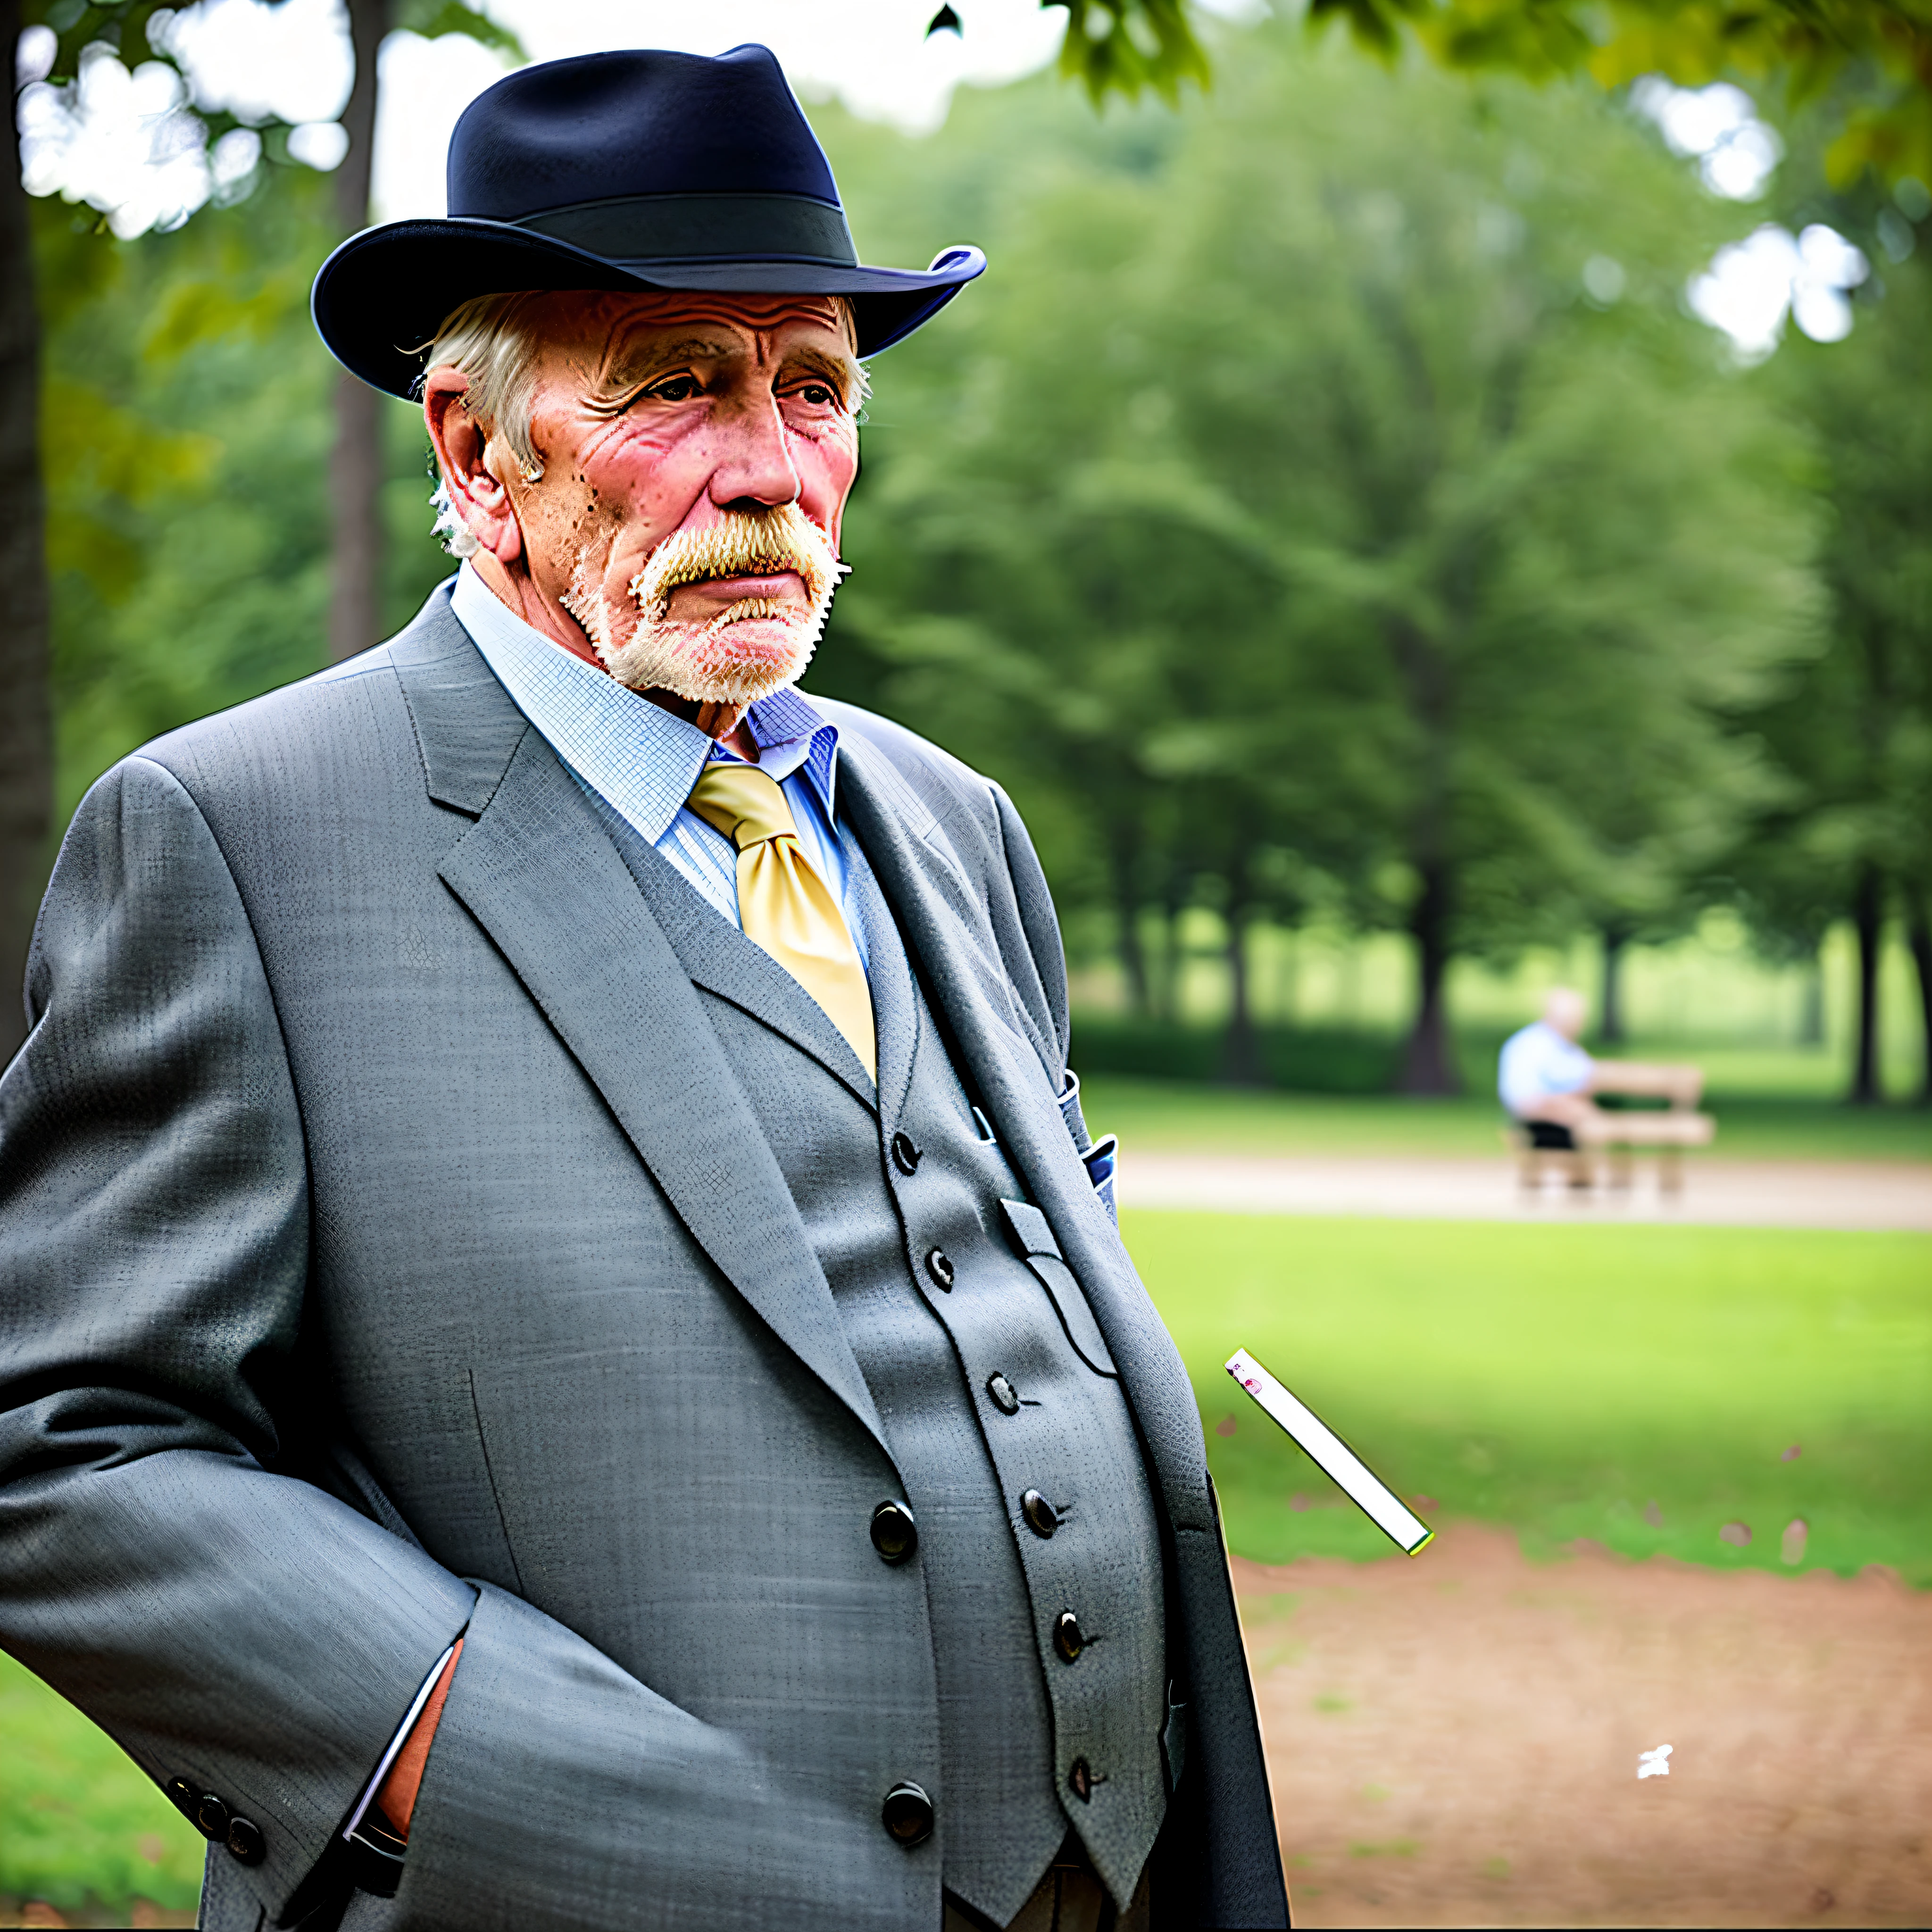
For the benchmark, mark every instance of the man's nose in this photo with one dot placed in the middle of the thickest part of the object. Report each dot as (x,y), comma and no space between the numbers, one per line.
(754,463)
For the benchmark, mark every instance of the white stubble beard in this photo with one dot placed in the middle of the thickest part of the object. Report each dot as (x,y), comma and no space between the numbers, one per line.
(736,658)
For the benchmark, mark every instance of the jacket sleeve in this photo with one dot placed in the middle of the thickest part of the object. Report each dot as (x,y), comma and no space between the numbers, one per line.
(234,1628)
(237,1630)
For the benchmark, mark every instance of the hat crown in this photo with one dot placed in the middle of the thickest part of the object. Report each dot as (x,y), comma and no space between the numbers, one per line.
(639,170)
(610,125)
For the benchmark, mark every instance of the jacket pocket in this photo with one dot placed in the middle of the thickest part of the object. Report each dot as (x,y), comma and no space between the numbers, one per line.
(1034,1239)
(1100,1158)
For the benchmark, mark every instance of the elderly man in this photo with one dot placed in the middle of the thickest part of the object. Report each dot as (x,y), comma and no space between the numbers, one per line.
(567,1362)
(1546,1080)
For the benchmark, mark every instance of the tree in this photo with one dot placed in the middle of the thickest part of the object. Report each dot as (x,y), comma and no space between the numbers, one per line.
(26,751)
(355,461)
(1869,61)
(1342,466)
(1021,589)
(1851,836)
(356,465)
(26,725)
(187,405)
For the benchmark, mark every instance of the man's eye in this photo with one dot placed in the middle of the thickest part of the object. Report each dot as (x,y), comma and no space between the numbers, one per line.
(819,395)
(673,389)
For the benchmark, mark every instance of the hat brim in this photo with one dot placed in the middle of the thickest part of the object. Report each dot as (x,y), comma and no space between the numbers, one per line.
(380,297)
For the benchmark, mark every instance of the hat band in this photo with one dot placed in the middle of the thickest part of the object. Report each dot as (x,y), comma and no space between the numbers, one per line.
(634,227)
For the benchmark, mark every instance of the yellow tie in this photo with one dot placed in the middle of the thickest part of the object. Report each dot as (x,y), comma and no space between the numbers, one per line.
(783,905)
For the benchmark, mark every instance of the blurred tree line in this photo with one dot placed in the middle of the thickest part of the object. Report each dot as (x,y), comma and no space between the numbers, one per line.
(1851,835)
(1324,508)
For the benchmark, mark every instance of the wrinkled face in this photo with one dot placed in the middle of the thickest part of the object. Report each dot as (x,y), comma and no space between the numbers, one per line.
(697,451)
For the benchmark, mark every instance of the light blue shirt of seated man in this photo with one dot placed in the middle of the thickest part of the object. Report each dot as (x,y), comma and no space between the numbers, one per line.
(1538,1062)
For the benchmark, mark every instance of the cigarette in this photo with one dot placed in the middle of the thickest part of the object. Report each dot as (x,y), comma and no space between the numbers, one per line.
(1365,1489)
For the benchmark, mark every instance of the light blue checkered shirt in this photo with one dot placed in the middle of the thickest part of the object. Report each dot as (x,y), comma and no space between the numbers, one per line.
(642,761)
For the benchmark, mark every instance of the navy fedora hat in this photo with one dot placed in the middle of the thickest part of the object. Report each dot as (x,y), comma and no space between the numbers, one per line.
(633,170)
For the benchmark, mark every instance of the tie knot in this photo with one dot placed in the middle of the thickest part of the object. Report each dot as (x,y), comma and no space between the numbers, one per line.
(743,802)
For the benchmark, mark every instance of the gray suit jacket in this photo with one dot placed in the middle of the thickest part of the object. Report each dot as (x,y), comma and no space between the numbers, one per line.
(387,1251)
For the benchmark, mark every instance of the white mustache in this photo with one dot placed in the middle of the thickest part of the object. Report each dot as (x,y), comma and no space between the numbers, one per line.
(741,543)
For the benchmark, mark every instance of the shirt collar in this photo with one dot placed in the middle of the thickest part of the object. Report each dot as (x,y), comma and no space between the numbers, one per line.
(636,755)
(792,734)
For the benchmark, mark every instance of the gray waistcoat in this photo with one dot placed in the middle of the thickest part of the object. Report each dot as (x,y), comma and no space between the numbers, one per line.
(1031,1740)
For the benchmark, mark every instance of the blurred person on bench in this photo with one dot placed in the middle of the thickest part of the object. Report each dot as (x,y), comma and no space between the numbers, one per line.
(1549,1083)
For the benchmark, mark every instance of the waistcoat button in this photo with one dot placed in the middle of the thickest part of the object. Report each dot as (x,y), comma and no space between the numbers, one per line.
(1068,1638)
(905,1155)
(246,1845)
(1082,1778)
(908,1814)
(1042,1518)
(939,1267)
(895,1534)
(1001,1390)
(210,1817)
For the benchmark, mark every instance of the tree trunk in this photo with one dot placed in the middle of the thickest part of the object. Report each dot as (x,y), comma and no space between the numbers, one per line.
(1173,959)
(1811,1009)
(1126,877)
(1288,979)
(1241,1064)
(26,717)
(1428,1063)
(1918,937)
(1868,918)
(1610,1024)
(356,462)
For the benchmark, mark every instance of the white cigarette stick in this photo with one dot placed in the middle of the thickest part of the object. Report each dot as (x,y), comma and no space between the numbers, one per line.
(1369,1492)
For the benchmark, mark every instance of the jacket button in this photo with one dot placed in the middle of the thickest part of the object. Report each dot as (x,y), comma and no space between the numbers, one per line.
(1068,1637)
(181,1795)
(939,1265)
(905,1155)
(1042,1518)
(210,1817)
(246,1845)
(907,1813)
(895,1534)
(1001,1390)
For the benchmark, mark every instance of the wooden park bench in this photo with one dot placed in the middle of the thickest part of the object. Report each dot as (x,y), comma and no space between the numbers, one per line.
(1545,1150)
(1605,1155)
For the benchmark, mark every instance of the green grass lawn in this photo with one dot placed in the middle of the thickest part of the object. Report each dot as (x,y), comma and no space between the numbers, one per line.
(1567,1381)
(79,1823)
(1192,1118)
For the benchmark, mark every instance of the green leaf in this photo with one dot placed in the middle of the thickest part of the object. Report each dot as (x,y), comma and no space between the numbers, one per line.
(1124,47)
(432,19)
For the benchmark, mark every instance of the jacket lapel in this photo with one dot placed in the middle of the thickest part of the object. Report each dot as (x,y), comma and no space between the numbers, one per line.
(895,1012)
(949,934)
(716,955)
(467,727)
(538,874)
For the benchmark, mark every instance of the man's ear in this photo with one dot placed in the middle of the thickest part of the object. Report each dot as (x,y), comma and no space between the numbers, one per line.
(463,454)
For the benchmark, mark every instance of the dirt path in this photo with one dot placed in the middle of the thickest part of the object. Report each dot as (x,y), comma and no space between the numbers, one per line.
(1742,1193)
(1454,1741)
